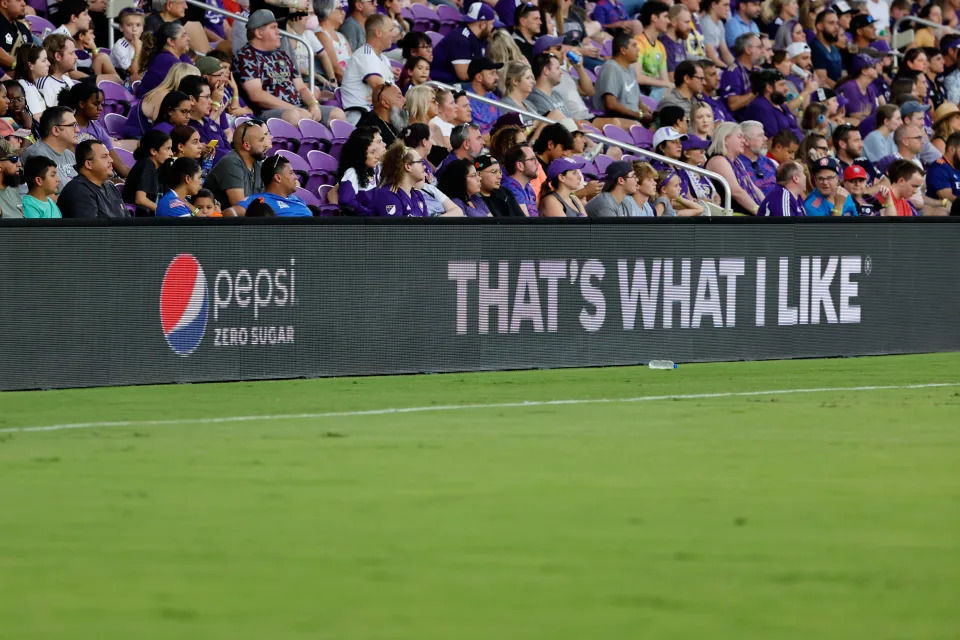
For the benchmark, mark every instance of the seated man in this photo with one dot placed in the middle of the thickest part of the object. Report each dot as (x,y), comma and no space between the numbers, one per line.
(13,32)
(58,135)
(617,93)
(270,78)
(280,183)
(828,198)
(91,195)
(237,176)
(368,68)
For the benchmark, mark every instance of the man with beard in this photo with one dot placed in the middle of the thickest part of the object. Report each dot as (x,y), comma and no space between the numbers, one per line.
(849,149)
(711,80)
(768,107)
(735,83)
(743,21)
(13,33)
(864,30)
(943,177)
(237,176)
(482,81)
(674,39)
(860,94)
(523,166)
(452,55)
(387,116)
(11,205)
(498,199)
(827,61)
(466,143)
(754,156)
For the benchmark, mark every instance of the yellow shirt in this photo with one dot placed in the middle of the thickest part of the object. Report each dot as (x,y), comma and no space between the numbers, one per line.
(652,58)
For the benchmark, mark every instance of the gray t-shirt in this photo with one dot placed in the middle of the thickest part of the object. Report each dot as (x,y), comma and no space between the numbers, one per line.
(604,206)
(66,161)
(232,173)
(354,33)
(713,32)
(619,82)
(11,204)
(668,210)
(544,104)
(877,146)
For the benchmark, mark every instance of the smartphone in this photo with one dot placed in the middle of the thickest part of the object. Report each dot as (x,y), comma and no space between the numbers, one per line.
(799,72)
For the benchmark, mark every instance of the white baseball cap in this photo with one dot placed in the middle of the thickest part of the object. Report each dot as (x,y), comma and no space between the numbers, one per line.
(663,134)
(795,49)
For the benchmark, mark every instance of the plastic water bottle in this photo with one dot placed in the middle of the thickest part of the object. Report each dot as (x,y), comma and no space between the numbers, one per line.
(662,364)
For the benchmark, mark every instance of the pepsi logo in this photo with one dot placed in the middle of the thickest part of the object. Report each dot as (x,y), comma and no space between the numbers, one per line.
(184,304)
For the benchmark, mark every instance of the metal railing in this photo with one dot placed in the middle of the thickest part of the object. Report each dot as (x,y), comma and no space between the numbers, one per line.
(727,196)
(896,29)
(236,16)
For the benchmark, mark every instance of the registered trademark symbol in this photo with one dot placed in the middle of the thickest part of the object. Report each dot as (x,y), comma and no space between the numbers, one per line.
(868,265)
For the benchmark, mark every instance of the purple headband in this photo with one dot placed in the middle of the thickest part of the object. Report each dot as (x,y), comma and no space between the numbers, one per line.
(666,179)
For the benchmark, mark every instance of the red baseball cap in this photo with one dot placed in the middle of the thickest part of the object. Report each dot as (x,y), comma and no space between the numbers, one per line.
(854,172)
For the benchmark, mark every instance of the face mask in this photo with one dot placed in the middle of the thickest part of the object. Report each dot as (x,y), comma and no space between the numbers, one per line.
(312,23)
(778,98)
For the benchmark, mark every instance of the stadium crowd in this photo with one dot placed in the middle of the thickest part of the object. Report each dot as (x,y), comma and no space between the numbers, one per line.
(804,109)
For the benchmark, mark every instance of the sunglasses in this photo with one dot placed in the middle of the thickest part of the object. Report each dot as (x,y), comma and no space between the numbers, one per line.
(12,159)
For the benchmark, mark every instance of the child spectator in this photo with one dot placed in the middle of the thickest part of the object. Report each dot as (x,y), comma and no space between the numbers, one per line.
(17,110)
(206,204)
(40,174)
(127,54)
(415,72)
(32,64)
(652,55)
(142,188)
(86,100)
(670,202)
(91,61)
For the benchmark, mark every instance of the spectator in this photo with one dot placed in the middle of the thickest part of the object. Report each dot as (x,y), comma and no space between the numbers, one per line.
(544,98)
(15,138)
(943,178)
(711,80)
(713,13)
(667,142)
(17,110)
(812,148)
(86,100)
(527,26)
(281,183)
(168,11)
(863,30)
(860,93)
(695,185)
(906,180)
(14,33)
(74,19)
(786,197)
(331,15)
(827,62)
(207,206)
(368,67)
(616,200)
(185,141)
(849,151)
(90,194)
(783,147)
(769,106)
(228,93)
(297,24)
(688,78)
(828,198)
(522,164)
(416,44)
(62,56)
(174,112)
(506,137)
(701,120)
(359,170)
(129,48)
(743,21)
(516,84)
(354,26)
(814,119)
(11,205)
(880,11)
(936,92)
(442,124)
(669,197)
(141,117)
(416,71)
(269,78)
(209,131)
(502,48)
(651,55)
(461,182)
(498,199)
(646,189)
(142,188)
(403,172)
(674,39)
(611,15)
(724,158)
(453,54)
(237,176)
(170,46)
(32,64)
(781,11)
(467,145)
(761,169)
(855,182)
(923,35)
(558,197)
(617,93)
(422,104)
(387,116)
(464,110)
(914,113)
(951,72)
(393,9)
(946,122)
(735,86)
(58,135)
(554,142)
(183,178)
(40,176)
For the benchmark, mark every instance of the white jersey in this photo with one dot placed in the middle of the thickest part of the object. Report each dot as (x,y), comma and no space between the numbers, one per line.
(122,54)
(364,63)
(51,87)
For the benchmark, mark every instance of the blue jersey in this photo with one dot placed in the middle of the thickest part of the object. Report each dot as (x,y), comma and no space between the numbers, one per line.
(818,204)
(942,175)
(171,206)
(289,207)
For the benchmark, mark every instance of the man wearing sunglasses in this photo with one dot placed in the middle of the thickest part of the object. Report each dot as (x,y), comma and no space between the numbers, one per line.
(58,133)
(11,205)
(238,175)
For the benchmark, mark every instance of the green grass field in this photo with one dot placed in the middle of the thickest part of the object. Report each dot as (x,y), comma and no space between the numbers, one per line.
(829,514)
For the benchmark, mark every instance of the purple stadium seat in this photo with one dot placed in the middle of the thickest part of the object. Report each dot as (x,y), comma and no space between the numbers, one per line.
(602,162)
(133,87)
(298,163)
(38,25)
(125,156)
(113,123)
(316,137)
(407,14)
(648,102)
(40,6)
(323,193)
(642,137)
(587,128)
(590,170)
(618,134)
(242,119)
(323,170)
(424,18)
(434,36)
(307,197)
(326,207)
(116,99)
(606,51)
(341,130)
(450,18)
(285,135)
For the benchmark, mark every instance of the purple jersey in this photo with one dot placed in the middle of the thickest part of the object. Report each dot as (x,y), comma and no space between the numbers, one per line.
(390,203)
(676,51)
(772,118)
(457,47)
(524,194)
(856,101)
(763,172)
(608,11)
(158,71)
(720,111)
(781,203)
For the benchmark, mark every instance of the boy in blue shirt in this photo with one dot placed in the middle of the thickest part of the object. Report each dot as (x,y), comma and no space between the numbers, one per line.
(40,175)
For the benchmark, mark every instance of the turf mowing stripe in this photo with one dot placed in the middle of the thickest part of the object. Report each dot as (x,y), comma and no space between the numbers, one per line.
(460,407)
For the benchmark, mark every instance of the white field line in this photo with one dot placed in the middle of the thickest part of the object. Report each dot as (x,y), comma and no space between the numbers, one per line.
(461,407)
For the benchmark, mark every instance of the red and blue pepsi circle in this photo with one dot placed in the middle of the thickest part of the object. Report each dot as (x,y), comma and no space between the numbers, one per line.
(184,303)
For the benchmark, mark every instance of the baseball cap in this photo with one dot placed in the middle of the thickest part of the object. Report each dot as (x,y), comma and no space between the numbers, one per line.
(7,130)
(860,21)
(822,95)
(949,42)
(841,7)
(615,171)
(882,46)
(911,107)
(561,165)
(481,64)
(854,172)
(483,162)
(795,49)
(663,134)
(260,18)
(860,62)
(208,65)
(828,162)
(7,150)
(694,142)
(545,42)
(479,11)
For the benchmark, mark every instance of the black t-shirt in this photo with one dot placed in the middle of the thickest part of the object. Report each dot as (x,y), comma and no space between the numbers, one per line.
(12,35)
(279,13)
(155,20)
(370,119)
(143,177)
(502,204)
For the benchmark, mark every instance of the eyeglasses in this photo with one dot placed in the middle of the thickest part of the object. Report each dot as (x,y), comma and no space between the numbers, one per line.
(832,178)
(496,171)
(19,99)
(74,124)
(252,122)
(824,149)
(185,112)
(913,137)
(420,161)
(428,45)
(700,78)
(534,158)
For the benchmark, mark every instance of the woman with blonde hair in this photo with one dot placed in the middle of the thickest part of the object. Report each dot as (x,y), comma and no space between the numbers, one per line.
(502,48)
(442,124)
(422,104)
(140,119)
(724,158)
(516,84)
(701,120)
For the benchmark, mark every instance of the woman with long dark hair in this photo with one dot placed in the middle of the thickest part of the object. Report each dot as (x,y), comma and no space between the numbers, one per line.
(358,172)
(142,188)
(182,176)
(460,182)
(174,111)
(558,195)
(32,64)
(172,45)
(186,143)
